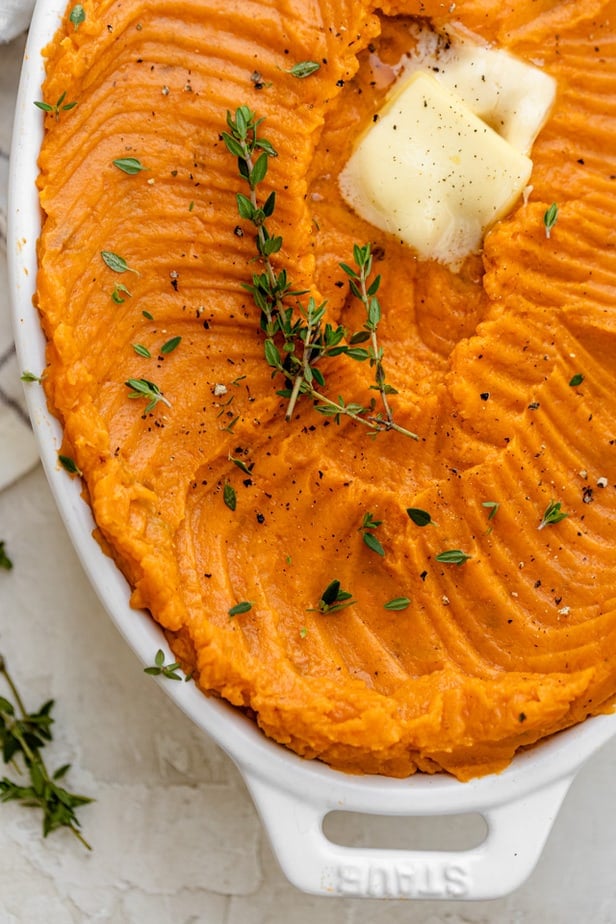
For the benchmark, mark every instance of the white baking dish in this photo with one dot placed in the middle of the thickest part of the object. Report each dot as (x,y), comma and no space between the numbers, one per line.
(292,795)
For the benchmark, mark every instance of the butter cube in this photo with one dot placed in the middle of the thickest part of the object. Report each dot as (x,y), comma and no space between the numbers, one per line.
(514,97)
(432,173)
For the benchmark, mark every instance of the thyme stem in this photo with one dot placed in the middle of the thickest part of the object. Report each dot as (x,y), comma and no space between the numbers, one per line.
(26,734)
(302,332)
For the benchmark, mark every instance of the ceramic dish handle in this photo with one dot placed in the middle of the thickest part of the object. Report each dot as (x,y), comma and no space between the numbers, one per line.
(516,835)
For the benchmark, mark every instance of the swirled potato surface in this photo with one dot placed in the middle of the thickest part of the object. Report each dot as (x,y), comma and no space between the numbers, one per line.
(491,655)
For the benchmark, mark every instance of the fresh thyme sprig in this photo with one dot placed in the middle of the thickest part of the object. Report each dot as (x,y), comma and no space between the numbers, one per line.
(22,737)
(367,295)
(297,336)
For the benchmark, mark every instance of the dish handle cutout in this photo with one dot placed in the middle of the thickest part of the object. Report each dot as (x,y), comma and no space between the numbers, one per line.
(516,834)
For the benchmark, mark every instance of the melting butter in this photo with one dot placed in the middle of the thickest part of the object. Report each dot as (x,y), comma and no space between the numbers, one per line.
(448,155)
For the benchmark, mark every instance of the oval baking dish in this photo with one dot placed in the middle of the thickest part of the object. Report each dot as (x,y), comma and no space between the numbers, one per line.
(293,795)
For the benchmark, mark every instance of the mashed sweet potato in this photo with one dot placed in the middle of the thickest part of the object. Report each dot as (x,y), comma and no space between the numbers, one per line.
(489,655)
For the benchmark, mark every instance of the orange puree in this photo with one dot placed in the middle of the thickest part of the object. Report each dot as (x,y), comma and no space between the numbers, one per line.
(490,655)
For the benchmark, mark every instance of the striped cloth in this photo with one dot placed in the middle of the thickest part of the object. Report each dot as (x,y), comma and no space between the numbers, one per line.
(17,447)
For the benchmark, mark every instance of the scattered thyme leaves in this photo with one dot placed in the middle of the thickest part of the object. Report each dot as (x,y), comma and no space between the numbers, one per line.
(23,735)
(552,514)
(30,377)
(160,669)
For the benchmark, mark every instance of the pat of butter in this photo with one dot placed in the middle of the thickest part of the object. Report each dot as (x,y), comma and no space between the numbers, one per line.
(432,173)
(512,96)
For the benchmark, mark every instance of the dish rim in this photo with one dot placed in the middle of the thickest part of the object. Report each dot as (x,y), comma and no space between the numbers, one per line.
(550,760)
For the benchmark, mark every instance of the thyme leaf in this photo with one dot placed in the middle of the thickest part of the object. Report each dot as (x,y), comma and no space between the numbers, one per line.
(241,465)
(5,562)
(116,295)
(397,604)
(244,607)
(229,496)
(58,107)
(160,669)
(129,165)
(333,599)
(368,537)
(142,350)
(69,465)
(143,388)
(77,15)
(373,543)
(419,517)
(493,507)
(303,69)
(453,557)
(552,514)
(30,377)
(576,380)
(550,218)
(116,263)
(170,345)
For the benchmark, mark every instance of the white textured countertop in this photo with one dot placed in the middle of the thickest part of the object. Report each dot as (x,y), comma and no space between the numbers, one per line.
(174,833)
